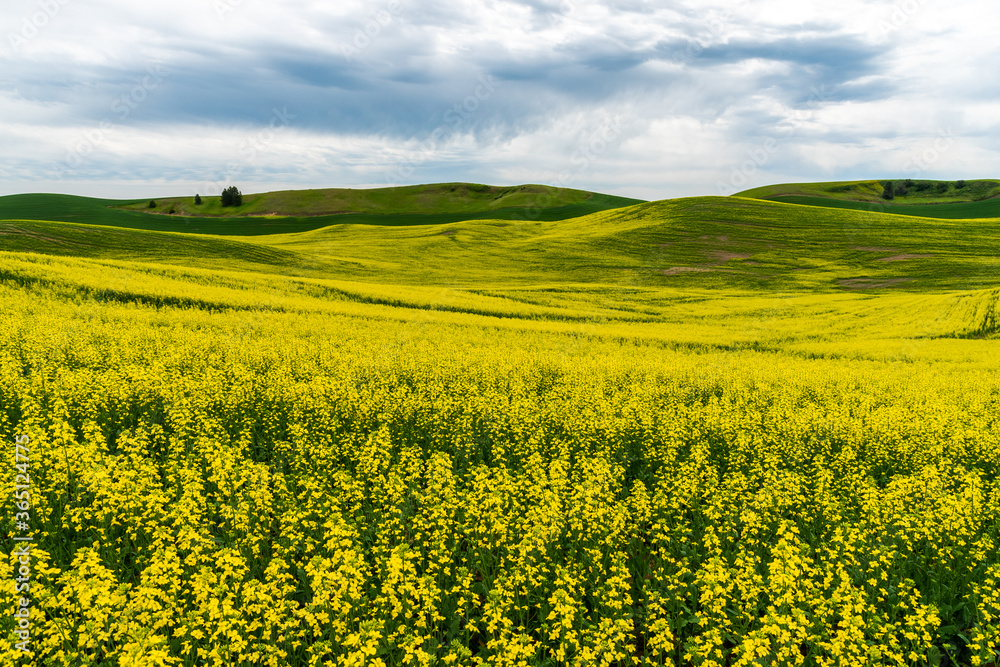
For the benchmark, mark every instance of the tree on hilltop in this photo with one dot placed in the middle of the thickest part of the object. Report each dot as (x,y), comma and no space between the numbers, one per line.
(232,196)
(888,190)
(197,200)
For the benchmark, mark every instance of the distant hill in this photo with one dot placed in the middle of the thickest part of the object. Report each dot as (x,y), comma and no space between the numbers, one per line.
(717,243)
(303,210)
(419,199)
(923,198)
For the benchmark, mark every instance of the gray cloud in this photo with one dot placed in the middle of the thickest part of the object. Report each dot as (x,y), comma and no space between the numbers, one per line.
(374,84)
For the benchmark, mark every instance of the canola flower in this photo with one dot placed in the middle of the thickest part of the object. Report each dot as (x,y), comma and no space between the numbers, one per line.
(299,486)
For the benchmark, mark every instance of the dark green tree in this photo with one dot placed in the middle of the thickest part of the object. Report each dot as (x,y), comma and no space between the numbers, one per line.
(232,196)
(888,190)
(959,185)
(197,200)
(152,204)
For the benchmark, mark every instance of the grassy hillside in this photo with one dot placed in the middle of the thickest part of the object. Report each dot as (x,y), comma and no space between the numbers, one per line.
(93,241)
(416,199)
(67,208)
(695,243)
(705,242)
(706,430)
(987,208)
(914,191)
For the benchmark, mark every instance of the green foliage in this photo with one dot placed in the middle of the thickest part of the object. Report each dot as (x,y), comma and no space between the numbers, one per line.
(232,196)
(871,191)
(889,190)
(197,200)
(152,204)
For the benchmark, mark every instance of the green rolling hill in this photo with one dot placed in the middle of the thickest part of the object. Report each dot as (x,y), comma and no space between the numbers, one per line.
(298,211)
(438,198)
(692,263)
(953,200)
(460,415)
(692,243)
(988,208)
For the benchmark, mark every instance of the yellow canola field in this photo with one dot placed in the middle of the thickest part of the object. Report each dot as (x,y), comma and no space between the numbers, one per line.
(222,481)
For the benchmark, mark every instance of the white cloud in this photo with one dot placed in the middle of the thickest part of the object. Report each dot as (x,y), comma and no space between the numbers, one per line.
(845,89)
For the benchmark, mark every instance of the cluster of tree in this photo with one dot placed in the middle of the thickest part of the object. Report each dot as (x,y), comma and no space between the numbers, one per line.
(891,189)
(232,196)
(152,204)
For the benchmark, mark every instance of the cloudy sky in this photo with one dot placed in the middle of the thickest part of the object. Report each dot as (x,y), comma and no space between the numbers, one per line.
(647,98)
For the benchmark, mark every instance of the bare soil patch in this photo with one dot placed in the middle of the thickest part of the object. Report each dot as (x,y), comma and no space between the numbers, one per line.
(721,257)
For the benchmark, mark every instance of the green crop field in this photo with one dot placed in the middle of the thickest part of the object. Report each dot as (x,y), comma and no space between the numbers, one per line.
(285,212)
(915,191)
(415,199)
(987,208)
(925,199)
(471,427)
